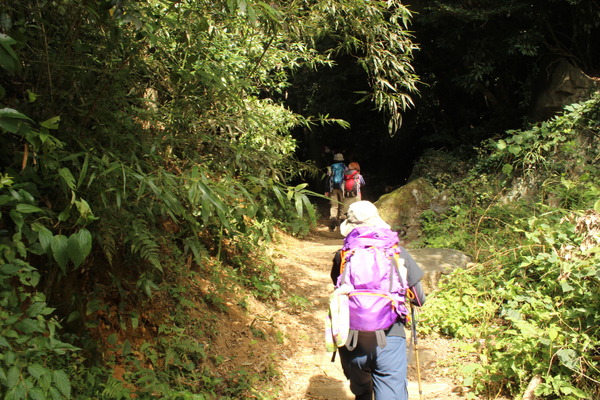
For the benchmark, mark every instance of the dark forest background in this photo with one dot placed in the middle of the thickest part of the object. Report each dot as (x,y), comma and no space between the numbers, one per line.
(484,68)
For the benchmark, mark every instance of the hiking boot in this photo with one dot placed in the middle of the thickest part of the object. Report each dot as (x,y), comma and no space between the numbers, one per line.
(332,224)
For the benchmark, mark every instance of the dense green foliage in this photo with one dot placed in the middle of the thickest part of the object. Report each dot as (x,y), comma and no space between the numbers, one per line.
(529,213)
(140,138)
(375,35)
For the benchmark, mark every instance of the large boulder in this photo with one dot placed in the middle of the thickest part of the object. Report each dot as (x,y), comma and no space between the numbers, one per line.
(402,208)
(566,84)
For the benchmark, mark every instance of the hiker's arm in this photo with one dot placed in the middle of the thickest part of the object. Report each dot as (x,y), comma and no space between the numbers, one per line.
(414,275)
(328,181)
(419,294)
(335,269)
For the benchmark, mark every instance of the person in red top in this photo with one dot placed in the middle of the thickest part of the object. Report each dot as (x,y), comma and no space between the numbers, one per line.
(352,179)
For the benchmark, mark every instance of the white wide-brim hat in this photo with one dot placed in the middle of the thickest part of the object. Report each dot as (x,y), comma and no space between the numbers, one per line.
(362,213)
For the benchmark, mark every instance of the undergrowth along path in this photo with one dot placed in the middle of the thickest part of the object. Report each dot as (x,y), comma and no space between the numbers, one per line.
(306,368)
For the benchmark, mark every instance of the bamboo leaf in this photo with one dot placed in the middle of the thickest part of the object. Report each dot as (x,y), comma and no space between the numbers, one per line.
(28,325)
(67,177)
(84,169)
(51,123)
(298,203)
(279,196)
(27,208)
(309,208)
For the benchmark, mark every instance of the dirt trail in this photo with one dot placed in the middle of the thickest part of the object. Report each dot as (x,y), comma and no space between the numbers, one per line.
(308,372)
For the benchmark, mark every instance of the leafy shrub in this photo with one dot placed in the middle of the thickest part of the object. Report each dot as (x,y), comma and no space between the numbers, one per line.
(530,312)
(528,307)
(30,334)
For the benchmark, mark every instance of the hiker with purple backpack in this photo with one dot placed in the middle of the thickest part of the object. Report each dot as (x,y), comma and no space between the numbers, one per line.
(374,279)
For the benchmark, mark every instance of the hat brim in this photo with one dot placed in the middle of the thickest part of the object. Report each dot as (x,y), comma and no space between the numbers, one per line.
(376,222)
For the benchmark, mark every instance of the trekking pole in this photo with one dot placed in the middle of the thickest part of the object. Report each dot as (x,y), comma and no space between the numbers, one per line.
(414,335)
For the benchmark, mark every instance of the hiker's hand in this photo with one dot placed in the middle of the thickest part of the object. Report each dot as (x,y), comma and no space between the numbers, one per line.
(327,194)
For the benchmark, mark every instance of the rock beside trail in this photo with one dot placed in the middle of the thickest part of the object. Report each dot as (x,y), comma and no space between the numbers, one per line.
(402,208)
(438,262)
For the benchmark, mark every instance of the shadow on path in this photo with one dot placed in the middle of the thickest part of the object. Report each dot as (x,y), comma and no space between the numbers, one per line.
(322,387)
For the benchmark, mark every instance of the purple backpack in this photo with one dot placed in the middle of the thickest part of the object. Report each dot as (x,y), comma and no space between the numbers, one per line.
(372,267)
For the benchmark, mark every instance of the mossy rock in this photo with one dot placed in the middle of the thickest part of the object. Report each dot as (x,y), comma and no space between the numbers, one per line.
(402,207)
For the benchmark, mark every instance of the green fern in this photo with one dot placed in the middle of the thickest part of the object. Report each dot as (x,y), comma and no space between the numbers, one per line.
(107,242)
(143,243)
(116,390)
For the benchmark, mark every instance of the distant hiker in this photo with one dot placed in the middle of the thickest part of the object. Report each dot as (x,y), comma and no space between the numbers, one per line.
(334,190)
(353,182)
(372,269)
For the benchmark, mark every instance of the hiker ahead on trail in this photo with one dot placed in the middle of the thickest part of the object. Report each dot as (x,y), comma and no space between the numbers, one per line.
(334,190)
(375,279)
(353,183)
